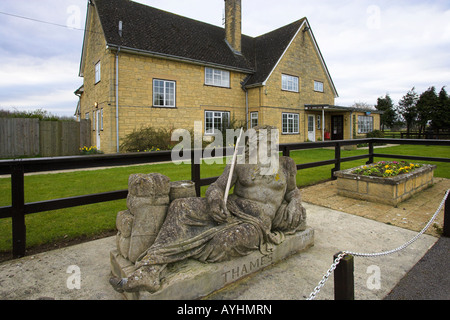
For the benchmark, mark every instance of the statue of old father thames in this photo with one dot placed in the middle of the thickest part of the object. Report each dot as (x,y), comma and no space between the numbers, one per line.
(265,205)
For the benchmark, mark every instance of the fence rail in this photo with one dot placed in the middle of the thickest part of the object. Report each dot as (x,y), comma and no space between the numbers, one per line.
(17,169)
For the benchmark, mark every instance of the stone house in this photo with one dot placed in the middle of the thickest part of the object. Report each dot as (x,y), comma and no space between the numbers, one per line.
(142,67)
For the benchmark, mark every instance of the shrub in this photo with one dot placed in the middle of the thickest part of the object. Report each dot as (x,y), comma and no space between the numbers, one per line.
(147,139)
(375,134)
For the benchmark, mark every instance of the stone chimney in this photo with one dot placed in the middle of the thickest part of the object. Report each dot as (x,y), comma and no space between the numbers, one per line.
(233,24)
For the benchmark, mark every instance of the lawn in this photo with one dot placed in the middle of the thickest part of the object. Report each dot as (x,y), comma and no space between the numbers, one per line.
(48,227)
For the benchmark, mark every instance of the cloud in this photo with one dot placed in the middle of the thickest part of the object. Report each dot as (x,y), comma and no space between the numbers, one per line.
(371,47)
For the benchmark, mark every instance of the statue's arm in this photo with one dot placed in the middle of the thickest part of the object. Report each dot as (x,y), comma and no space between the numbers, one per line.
(215,196)
(292,192)
(294,213)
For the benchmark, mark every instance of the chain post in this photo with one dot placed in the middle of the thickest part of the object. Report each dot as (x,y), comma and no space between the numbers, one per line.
(344,280)
(446,232)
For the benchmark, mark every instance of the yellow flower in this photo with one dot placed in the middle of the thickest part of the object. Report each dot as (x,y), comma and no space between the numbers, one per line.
(386,166)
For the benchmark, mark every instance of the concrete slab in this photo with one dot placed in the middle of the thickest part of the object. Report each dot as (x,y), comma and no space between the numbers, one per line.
(45,276)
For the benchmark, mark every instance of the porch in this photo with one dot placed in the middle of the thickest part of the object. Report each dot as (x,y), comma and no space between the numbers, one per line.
(329,122)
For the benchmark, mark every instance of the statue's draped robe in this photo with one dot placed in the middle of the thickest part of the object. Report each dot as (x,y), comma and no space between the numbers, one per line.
(189,231)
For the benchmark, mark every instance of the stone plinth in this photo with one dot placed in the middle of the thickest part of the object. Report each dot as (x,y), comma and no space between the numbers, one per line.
(391,190)
(190,279)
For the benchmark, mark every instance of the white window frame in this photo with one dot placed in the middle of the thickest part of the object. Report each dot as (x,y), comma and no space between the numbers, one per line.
(101,119)
(168,97)
(365,124)
(289,83)
(290,123)
(98,72)
(318,86)
(217,77)
(210,126)
(254,116)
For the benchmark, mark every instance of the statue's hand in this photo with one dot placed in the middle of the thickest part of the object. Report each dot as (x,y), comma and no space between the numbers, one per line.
(295,214)
(217,209)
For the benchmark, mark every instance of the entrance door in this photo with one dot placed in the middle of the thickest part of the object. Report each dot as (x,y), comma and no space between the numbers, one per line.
(311,128)
(337,128)
(98,119)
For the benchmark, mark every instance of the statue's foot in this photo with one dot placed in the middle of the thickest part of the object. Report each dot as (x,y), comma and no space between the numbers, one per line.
(143,279)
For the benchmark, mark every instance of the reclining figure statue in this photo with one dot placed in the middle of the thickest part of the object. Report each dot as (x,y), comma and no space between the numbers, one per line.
(265,205)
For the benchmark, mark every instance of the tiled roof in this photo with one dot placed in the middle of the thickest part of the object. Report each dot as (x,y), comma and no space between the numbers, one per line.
(155,31)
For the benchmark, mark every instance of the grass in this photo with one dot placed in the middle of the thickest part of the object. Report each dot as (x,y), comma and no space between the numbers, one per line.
(90,220)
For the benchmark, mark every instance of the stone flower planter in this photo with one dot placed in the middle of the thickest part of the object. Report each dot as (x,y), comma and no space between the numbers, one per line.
(391,190)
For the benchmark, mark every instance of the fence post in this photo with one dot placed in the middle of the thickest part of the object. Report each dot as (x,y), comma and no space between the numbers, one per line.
(370,153)
(286,151)
(195,171)
(18,209)
(344,282)
(446,232)
(337,157)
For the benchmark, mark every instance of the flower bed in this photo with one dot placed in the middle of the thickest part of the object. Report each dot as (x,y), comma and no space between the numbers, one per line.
(385,182)
(387,169)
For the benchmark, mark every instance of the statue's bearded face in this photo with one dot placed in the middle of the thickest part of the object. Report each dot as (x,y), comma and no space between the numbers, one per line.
(262,146)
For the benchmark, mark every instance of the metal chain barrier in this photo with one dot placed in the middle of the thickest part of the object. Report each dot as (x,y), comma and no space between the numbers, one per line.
(322,282)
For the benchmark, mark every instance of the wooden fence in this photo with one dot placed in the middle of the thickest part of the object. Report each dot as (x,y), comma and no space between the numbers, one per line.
(22,137)
(17,169)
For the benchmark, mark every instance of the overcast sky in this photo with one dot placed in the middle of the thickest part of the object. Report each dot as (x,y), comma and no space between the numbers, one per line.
(370,47)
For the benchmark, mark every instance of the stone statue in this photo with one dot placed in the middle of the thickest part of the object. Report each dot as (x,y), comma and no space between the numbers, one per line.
(265,206)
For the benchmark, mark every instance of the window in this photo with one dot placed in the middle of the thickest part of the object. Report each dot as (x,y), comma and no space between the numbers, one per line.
(290,123)
(215,77)
(98,72)
(318,86)
(319,122)
(216,120)
(253,119)
(365,124)
(93,120)
(289,83)
(164,93)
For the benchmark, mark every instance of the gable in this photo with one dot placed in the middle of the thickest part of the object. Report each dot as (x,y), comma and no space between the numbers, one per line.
(297,28)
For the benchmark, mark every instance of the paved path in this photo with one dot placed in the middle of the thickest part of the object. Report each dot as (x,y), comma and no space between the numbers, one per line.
(416,272)
(45,276)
